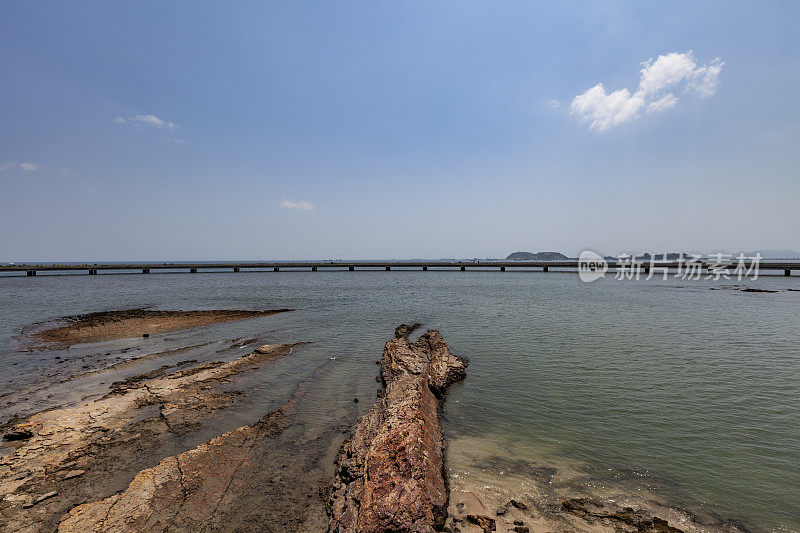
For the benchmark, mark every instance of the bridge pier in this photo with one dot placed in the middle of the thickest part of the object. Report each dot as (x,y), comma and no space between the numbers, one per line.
(388,268)
(193,270)
(313,269)
(545,269)
(424,269)
(787,272)
(276,269)
(463,268)
(144,271)
(502,269)
(352,268)
(236,269)
(31,273)
(92,272)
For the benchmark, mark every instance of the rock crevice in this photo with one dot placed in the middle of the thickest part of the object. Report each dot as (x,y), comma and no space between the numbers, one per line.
(390,472)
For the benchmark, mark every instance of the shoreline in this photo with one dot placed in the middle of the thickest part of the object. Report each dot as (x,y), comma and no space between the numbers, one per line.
(76,451)
(81,462)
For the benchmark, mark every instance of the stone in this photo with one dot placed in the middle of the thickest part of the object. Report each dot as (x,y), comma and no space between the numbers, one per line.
(105,436)
(390,472)
(40,499)
(519,505)
(18,434)
(591,511)
(482,521)
(218,486)
(404,330)
(74,473)
(758,290)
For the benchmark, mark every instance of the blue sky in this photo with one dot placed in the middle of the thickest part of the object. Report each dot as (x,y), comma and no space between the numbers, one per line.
(182,130)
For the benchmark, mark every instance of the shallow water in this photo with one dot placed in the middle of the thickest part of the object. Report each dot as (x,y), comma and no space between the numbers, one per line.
(691,394)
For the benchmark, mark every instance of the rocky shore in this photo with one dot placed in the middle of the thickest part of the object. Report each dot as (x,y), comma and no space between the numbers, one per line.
(65,457)
(212,487)
(390,472)
(136,459)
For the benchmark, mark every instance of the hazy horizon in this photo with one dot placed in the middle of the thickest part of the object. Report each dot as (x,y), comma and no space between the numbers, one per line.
(766,254)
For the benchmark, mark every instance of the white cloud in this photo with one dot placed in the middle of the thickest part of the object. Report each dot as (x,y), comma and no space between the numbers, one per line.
(666,71)
(662,104)
(27,167)
(153,121)
(671,71)
(554,104)
(300,204)
(706,78)
(150,121)
(603,110)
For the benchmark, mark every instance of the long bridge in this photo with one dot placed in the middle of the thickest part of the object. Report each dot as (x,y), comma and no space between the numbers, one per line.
(704,266)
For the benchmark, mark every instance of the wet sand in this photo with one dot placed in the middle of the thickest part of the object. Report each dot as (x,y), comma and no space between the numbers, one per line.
(112,325)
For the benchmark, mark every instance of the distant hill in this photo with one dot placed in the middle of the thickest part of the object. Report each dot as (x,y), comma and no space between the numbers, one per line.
(539,256)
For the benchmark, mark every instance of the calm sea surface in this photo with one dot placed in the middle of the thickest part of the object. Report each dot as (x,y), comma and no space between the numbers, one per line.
(692,392)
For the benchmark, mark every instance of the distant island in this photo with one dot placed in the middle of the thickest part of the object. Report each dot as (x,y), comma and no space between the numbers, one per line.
(539,256)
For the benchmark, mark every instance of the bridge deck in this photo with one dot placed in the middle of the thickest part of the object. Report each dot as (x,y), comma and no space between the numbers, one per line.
(31,269)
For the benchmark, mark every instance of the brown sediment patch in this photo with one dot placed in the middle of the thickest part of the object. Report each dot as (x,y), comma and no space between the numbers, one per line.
(110,439)
(390,472)
(111,325)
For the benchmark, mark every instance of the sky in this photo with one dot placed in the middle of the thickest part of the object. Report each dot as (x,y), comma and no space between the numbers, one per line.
(332,130)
